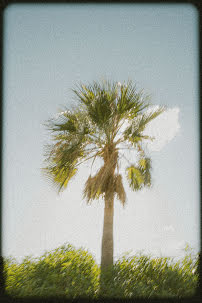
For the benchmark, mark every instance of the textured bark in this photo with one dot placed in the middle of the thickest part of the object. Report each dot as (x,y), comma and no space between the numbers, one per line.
(107,237)
(106,279)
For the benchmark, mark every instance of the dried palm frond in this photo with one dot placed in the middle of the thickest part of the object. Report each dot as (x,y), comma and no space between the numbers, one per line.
(99,184)
(119,189)
(103,181)
(91,190)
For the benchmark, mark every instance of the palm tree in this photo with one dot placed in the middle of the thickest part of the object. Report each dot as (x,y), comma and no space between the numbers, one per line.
(110,117)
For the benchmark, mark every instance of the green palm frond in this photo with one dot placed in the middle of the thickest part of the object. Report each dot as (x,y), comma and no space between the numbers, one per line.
(59,177)
(74,123)
(134,132)
(98,101)
(131,101)
(145,167)
(71,135)
(140,175)
(135,177)
(61,162)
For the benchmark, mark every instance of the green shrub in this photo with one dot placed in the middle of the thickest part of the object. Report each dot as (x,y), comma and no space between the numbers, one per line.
(72,272)
(62,272)
(144,276)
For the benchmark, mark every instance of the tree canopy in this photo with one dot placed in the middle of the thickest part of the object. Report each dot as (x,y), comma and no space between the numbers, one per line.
(108,117)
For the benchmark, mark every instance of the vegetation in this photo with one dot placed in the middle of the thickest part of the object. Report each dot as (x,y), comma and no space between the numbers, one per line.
(110,117)
(62,272)
(70,272)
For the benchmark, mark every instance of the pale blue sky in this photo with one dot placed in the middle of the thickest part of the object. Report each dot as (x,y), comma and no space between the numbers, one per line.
(47,50)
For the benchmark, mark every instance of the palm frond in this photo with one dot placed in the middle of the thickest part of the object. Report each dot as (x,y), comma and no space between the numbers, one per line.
(104,179)
(134,177)
(149,116)
(98,101)
(72,133)
(134,132)
(131,101)
(61,161)
(145,166)
(140,175)
(92,189)
(119,189)
(59,177)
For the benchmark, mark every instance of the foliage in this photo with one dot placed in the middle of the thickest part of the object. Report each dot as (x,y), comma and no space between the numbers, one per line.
(109,117)
(62,272)
(139,175)
(72,272)
(144,276)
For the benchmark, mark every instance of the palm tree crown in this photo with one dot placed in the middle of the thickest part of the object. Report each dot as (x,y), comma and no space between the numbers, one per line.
(110,117)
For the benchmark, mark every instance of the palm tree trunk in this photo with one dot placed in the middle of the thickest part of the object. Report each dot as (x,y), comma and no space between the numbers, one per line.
(107,245)
(107,237)
(110,160)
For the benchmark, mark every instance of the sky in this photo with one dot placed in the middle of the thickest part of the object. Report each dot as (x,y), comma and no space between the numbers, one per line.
(48,49)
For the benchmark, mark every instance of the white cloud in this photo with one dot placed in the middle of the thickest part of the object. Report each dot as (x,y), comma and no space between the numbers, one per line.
(168,228)
(164,128)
